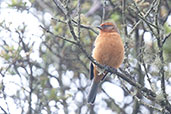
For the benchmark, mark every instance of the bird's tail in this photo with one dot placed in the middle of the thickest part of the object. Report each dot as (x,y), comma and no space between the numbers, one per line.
(93,92)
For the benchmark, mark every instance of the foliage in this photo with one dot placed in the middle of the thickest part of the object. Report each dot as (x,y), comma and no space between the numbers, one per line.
(47,71)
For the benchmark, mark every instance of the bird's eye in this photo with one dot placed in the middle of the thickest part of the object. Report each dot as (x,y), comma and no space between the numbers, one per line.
(106,26)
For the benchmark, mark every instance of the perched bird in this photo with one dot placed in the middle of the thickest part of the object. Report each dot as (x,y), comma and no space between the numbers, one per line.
(108,51)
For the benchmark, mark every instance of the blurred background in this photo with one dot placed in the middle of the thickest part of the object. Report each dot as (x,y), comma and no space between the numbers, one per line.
(40,73)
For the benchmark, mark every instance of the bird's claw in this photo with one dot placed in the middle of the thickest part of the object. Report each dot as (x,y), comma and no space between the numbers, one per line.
(108,68)
(101,71)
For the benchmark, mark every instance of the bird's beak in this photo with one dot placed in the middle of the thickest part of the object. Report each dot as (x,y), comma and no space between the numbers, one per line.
(99,27)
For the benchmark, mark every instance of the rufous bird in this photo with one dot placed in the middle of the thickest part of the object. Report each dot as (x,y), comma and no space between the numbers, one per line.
(108,51)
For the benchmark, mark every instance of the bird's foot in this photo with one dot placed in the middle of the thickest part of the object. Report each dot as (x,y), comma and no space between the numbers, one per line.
(105,70)
(104,77)
(108,68)
(101,71)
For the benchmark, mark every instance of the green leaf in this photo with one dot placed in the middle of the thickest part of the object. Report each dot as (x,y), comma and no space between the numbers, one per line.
(167,28)
(115,16)
(14,1)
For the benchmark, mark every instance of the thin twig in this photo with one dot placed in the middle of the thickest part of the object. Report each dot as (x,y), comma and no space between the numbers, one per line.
(168,36)
(79,19)
(57,36)
(164,103)
(76,24)
(60,6)
(104,11)
(139,100)
(146,72)
(5,96)
(3,110)
(147,13)
(123,17)
(115,105)
(151,94)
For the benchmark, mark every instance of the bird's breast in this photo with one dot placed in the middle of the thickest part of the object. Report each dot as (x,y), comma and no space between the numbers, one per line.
(109,50)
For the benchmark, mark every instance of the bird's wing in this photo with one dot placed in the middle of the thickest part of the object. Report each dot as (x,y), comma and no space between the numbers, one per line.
(91,73)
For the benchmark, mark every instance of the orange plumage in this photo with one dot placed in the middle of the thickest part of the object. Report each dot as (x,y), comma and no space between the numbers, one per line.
(109,50)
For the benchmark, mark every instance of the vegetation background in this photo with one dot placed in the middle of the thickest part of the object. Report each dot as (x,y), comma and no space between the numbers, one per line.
(45,49)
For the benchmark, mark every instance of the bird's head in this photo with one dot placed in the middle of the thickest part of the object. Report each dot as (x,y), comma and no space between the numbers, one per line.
(108,27)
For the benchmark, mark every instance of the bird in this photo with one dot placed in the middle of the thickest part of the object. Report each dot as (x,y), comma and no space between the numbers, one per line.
(108,51)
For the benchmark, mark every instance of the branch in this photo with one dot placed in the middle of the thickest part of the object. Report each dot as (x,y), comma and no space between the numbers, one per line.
(71,28)
(168,36)
(147,13)
(139,100)
(3,110)
(104,11)
(116,106)
(76,24)
(60,6)
(57,36)
(85,26)
(79,19)
(165,103)
(151,94)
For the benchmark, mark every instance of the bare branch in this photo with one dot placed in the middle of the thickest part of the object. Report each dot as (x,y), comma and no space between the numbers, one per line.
(60,6)
(104,11)
(139,100)
(3,110)
(57,36)
(145,15)
(168,36)
(76,24)
(79,19)
(151,94)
